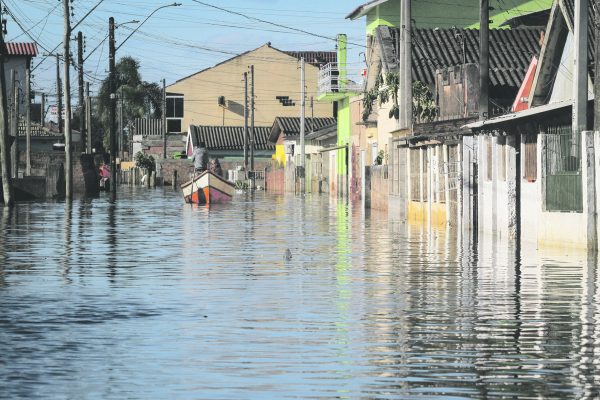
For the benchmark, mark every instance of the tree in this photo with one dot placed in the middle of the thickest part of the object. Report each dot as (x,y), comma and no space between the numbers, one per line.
(140,98)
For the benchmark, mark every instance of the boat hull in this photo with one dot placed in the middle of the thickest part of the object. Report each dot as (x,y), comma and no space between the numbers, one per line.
(207,188)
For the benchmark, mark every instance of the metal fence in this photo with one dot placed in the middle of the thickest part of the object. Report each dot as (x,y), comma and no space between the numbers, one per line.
(562,153)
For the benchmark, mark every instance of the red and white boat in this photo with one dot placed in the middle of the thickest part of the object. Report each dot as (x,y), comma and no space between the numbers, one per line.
(207,188)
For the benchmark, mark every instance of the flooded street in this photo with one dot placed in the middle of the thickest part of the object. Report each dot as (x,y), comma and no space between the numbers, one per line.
(153,298)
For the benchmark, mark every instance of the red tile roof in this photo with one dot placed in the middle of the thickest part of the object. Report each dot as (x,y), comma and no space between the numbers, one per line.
(21,49)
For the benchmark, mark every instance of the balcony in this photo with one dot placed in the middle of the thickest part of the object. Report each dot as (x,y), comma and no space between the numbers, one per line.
(331,86)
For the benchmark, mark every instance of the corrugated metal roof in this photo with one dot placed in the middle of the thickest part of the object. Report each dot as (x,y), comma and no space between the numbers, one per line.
(290,126)
(511,51)
(229,137)
(316,58)
(21,49)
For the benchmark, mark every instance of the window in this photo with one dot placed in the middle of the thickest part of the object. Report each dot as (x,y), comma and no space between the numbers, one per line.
(562,159)
(530,157)
(175,107)
(173,125)
(501,142)
(488,158)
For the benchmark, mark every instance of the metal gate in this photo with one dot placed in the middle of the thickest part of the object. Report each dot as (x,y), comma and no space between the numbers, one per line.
(562,159)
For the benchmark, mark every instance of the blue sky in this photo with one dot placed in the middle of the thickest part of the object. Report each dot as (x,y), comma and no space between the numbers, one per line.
(178,41)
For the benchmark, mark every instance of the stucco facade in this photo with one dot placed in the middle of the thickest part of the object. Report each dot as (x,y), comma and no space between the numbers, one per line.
(277,74)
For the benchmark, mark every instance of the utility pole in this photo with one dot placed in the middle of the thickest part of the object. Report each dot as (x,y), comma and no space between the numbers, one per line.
(28,117)
(302,117)
(121,127)
(88,118)
(58,94)
(14,126)
(580,78)
(4,161)
(43,113)
(164,118)
(82,111)
(67,94)
(111,109)
(484,58)
(246,123)
(252,136)
(406,62)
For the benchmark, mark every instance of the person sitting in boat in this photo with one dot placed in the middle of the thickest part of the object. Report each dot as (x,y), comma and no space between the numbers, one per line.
(215,167)
(200,157)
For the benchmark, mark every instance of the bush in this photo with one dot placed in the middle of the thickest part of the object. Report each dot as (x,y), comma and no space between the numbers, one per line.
(145,161)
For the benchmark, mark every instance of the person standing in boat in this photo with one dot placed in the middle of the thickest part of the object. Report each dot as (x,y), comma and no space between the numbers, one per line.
(200,157)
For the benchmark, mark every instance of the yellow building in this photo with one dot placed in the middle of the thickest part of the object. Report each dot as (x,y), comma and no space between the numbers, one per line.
(215,96)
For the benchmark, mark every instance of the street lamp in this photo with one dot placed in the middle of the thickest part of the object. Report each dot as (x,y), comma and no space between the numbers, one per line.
(135,21)
(111,84)
(144,21)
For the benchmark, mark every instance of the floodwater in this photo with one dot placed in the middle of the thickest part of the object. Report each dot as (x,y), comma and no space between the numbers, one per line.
(152,298)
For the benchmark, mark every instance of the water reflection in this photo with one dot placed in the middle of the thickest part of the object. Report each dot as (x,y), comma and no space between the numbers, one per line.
(148,297)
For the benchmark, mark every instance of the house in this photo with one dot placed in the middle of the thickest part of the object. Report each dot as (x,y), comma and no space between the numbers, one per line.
(285,134)
(215,95)
(537,177)
(435,149)
(389,124)
(17,57)
(227,142)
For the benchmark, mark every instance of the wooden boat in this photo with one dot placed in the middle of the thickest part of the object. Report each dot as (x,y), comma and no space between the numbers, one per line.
(207,188)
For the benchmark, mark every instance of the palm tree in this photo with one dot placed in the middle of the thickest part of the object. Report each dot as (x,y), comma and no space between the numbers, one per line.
(140,98)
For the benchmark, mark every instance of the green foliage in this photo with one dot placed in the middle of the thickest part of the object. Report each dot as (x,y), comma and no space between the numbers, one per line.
(140,99)
(145,161)
(241,185)
(380,157)
(392,85)
(424,107)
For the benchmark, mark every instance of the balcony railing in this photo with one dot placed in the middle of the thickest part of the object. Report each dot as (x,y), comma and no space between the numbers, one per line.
(330,82)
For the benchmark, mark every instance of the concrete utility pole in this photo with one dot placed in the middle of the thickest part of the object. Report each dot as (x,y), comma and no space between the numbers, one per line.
(28,117)
(43,113)
(4,161)
(112,108)
(252,136)
(88,118)
(164,118)
(406,69)
(121,133)
(302,117)
(14,126)
(484,58)
(580,79)
(67,94)
(82,112)
(58,94)
(246,123)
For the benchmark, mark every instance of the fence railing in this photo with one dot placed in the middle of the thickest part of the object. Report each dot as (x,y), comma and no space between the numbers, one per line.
(330,81)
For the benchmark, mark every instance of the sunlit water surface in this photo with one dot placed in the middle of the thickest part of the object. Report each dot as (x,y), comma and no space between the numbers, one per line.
(152,298)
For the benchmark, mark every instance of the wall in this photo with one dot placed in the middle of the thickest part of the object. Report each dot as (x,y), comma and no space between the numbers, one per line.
(276,74)
(17,63)
(379,187)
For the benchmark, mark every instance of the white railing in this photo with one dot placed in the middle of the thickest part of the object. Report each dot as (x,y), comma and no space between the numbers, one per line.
(330,82)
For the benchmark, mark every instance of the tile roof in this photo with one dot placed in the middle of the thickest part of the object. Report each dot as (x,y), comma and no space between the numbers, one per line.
(21,49)
(511,51)
(290,126)
(316,58)
(229,137)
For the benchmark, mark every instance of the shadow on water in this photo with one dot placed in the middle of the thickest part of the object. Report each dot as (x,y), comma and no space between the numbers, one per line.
(148,297)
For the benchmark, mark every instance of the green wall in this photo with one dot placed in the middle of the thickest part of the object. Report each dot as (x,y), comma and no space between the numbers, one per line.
(461,13)
(344,129)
